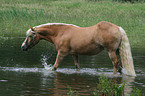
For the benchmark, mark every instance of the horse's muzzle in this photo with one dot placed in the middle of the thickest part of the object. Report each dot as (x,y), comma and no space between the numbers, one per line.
(24,48)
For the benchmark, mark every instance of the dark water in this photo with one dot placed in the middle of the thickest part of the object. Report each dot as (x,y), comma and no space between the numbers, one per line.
(23,73)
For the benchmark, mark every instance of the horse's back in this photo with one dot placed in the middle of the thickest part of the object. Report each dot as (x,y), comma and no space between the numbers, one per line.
(91,40)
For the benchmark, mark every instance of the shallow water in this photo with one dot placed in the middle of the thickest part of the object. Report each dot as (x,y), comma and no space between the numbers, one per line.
(23,73)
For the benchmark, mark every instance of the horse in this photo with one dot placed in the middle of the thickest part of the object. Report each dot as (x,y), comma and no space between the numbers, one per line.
(75,40)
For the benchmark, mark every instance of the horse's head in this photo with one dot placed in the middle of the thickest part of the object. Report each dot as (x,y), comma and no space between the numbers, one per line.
(31,39)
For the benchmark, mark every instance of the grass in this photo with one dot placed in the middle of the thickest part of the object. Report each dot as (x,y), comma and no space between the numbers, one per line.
(17,15)
(131,1)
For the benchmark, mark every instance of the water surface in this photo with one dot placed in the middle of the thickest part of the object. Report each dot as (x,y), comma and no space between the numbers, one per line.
(23,73)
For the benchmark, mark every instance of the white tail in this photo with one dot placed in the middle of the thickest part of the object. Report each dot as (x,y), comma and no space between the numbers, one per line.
(125,55)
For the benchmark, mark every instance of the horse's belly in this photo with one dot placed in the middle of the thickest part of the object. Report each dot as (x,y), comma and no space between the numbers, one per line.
(87,50)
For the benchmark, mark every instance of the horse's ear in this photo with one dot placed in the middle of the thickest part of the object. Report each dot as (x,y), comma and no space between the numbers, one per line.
(32,28)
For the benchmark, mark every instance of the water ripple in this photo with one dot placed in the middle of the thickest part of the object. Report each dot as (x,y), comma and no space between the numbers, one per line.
(88,71)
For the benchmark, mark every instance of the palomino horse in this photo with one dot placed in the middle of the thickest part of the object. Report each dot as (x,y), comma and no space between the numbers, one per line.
(74,40)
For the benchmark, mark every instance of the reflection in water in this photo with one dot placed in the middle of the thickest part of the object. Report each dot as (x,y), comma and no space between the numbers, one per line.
(84,82)
(128,85)
(43,60)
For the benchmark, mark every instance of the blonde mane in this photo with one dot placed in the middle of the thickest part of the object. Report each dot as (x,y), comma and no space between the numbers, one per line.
(49,24)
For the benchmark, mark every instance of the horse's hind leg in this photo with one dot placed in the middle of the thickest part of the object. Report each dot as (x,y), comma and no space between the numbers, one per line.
(119,62)
(119,66)
(114,60)
(76,61)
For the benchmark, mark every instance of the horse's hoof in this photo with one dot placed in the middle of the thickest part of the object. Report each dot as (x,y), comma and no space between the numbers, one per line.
(78,69)
(54,69)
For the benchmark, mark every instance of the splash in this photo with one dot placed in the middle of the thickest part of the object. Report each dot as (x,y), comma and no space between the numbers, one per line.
(48,67)
(44,63)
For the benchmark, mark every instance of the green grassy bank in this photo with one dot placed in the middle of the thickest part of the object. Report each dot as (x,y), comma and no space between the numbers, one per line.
(17,15)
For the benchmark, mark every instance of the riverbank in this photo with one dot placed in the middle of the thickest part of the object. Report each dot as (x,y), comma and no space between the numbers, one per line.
(17,15)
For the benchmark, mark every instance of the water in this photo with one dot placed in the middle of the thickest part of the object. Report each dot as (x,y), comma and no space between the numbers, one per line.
(27,73)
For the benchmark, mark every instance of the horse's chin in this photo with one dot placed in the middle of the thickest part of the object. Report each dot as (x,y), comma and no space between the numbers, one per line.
(25,49)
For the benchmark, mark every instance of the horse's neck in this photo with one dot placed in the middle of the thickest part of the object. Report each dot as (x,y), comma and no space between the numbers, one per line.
(49,33)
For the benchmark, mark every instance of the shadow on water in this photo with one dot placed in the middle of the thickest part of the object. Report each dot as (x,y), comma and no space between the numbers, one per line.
(23,73)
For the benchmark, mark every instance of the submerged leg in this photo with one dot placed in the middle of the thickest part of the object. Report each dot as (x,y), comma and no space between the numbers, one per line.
(59,58)
(119,66)
(119,62)
(76,61)
(114,60)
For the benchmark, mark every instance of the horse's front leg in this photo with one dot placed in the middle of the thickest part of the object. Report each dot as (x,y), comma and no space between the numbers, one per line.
(76,61)
(59,58)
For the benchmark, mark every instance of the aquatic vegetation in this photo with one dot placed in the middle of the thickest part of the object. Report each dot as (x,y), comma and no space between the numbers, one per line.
(137,92)
(72,92)
(106,87)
